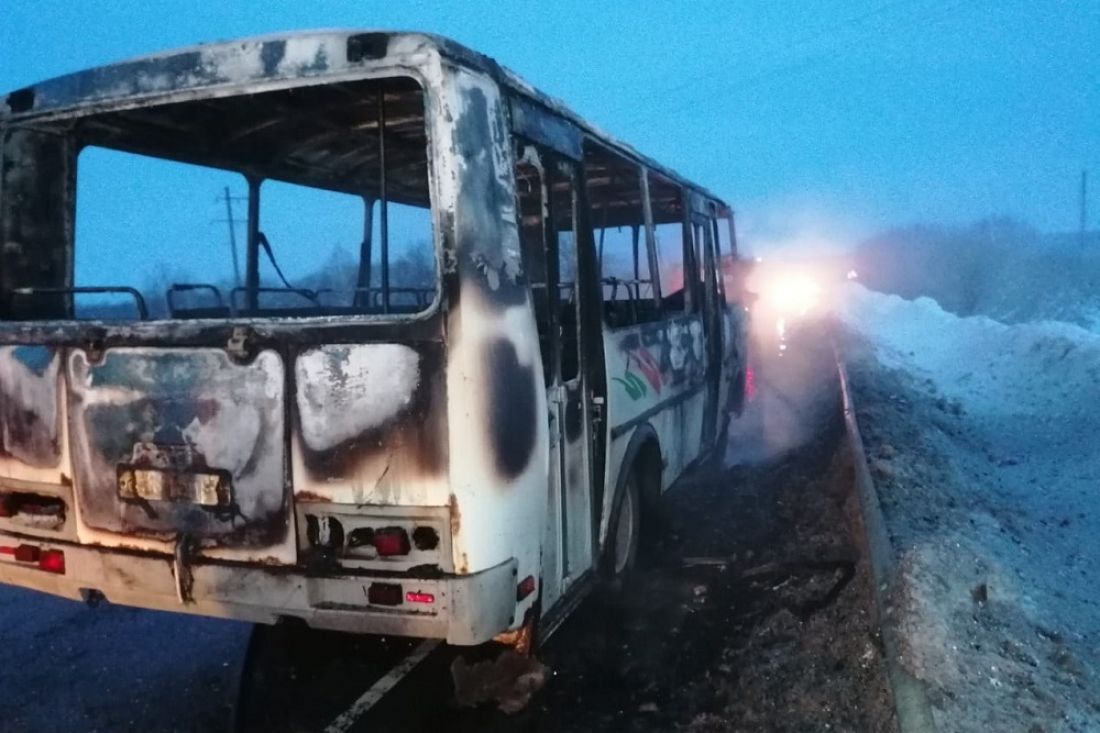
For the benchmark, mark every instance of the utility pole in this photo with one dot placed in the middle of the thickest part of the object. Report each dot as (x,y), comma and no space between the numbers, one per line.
(1084,200)
(232,223)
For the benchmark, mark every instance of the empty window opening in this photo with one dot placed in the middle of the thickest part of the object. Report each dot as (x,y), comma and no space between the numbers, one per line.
(666,200)
(563,208)
(616,199)
(304,202)
(530,202)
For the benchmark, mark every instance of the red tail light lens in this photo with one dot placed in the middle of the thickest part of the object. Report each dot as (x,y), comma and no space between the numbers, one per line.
(26,553)
(525,588)
(390,541)
(52,561)
(417,597)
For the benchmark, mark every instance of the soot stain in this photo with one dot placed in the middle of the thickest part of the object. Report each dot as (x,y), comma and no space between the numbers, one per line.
(512,408)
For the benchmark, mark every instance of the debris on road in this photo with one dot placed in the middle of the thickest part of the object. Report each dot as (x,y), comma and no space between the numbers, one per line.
(509,680)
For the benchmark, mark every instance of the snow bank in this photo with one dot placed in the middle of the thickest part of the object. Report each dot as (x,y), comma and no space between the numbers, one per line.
(981,439)
(990,365)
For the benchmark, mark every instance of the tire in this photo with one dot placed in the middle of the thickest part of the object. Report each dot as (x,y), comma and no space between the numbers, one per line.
(625,530)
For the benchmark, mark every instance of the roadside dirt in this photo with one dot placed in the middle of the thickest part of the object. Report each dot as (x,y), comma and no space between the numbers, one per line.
(777,638)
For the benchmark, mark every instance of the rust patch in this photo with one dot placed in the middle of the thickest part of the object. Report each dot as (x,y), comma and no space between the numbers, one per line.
(206,410)
(310,497)
(456,516)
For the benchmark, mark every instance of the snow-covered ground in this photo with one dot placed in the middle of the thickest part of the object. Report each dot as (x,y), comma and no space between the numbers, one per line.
(983,440)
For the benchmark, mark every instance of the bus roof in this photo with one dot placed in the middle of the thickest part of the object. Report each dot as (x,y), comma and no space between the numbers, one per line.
(301,55)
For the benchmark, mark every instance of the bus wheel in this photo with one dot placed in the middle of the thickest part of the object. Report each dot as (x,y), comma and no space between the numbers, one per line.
(623,549)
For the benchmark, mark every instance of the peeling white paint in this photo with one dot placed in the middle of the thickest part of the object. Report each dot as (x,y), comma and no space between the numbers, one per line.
(233,63)
(344,391)
(219,439)
(303,53)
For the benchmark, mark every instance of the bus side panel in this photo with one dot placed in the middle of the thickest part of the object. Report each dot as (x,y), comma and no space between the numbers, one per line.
(656,374)
(497,410)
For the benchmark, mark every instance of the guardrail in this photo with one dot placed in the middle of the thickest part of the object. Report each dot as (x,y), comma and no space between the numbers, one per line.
(913,711)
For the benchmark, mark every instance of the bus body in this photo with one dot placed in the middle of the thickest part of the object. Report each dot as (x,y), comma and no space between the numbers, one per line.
(454,453)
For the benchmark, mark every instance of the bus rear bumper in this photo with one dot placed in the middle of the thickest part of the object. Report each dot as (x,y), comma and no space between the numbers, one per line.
(462,609)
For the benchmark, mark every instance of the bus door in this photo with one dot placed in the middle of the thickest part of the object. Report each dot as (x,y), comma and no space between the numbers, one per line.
(547,192)
(703,239)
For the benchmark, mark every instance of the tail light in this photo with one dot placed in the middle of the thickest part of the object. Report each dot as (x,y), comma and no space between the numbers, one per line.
(390,541)
(525,588)
(351,537)
(26,553)
(50,561)
(419,597)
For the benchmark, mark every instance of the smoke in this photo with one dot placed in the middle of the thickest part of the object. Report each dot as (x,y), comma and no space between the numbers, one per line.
(794,393)
(798,226)
(790,349)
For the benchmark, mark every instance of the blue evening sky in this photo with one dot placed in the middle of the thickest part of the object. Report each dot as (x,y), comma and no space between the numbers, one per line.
(819,119)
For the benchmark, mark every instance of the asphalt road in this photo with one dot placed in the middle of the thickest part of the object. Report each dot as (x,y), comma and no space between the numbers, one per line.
(67,667)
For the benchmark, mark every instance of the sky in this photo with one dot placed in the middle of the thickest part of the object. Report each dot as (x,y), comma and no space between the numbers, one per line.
(820,120)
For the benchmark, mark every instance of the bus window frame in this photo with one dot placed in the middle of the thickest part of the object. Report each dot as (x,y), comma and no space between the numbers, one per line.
(642,234)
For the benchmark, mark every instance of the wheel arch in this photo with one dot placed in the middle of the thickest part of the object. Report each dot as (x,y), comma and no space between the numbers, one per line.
(643,452)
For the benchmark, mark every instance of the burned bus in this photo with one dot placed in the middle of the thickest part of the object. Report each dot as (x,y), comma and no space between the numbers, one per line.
(450,426)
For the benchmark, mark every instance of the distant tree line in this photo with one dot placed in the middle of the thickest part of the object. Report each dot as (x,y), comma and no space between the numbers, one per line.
(997,267)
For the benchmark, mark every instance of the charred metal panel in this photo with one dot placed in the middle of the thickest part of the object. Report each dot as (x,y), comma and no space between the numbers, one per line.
(204,66)
(30,408)
(485,222)
(499,463)
(289,56)
(188,414)
(371,424)
(36,172)
(539,125)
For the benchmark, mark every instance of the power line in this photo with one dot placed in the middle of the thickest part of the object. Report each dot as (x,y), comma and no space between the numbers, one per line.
(688,105)
(827,31)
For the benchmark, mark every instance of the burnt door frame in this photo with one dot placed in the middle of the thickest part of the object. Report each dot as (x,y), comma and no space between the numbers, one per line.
(703,223)
(570,358)
(570,391)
